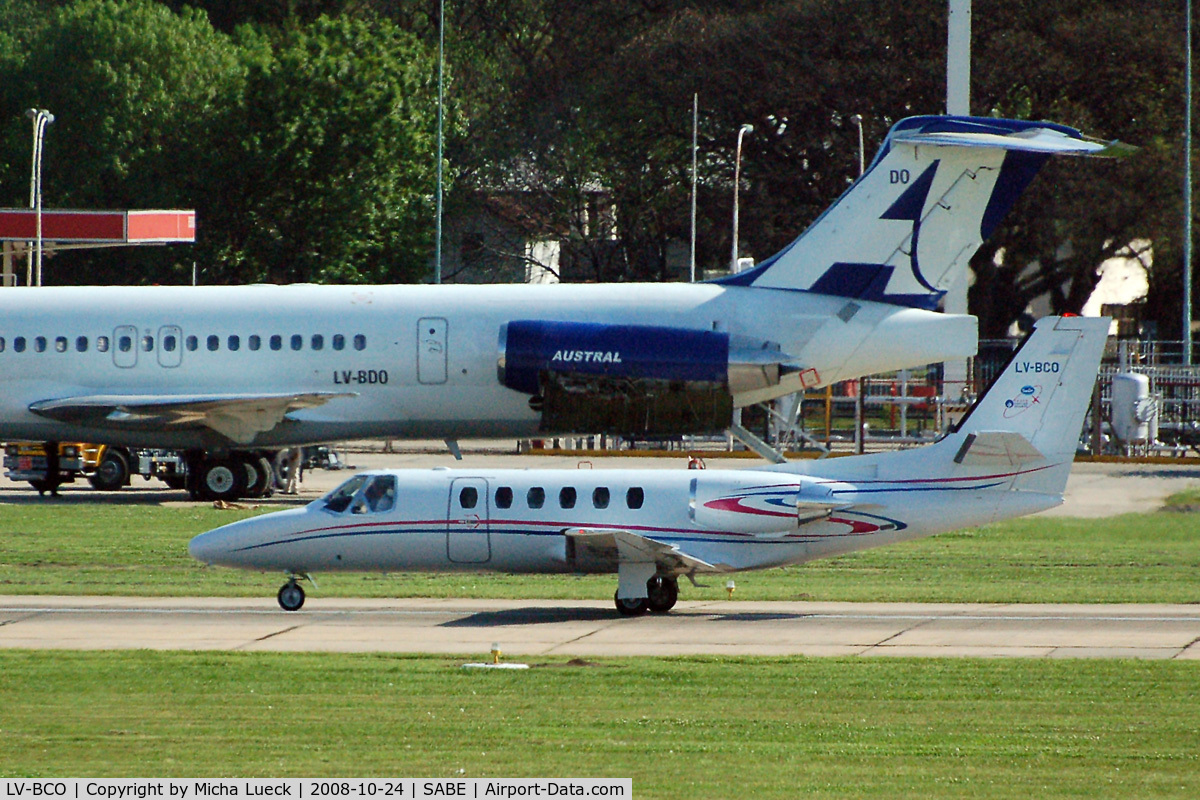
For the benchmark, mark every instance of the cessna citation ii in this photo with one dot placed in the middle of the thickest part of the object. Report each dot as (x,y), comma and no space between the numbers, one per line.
(1008,457)
(226,372)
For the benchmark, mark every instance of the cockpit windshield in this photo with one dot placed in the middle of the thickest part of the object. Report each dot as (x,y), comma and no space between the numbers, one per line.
(339,499)
(363,494)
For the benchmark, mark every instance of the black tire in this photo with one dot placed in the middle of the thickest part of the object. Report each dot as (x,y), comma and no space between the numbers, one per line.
(663,592)
(112,473)
(632,607)
(260,477)
(291,596)
(221,479)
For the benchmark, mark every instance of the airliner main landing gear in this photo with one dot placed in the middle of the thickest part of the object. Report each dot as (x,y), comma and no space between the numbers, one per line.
(661,593)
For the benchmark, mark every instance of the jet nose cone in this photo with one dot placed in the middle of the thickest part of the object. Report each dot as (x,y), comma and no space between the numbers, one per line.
(206,547)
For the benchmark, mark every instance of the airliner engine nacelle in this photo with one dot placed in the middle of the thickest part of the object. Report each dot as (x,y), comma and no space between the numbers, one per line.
(632,379)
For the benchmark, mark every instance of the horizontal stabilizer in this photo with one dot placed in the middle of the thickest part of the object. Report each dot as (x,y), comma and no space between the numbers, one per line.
(997,448)
(237,417)
(1050,140)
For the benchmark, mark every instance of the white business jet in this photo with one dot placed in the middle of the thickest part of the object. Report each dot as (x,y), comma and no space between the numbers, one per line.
(1009,456)
(228,371)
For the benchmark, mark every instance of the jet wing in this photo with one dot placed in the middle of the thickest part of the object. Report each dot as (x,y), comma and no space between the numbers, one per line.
(237,417)
(611,545)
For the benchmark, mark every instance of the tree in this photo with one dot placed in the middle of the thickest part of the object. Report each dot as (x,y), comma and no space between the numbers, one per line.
(329,165)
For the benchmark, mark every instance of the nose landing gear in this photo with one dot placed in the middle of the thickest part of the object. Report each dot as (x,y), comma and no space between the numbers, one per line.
(291,595)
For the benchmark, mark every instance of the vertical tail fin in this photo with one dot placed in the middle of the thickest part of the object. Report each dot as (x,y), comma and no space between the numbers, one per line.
(1033,413)
(904,232)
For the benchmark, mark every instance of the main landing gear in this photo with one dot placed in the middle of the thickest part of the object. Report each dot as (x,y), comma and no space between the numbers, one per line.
(231,477)
(661,594)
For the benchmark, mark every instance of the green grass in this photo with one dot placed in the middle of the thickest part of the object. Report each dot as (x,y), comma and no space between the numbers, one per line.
(691,727)
(137,550)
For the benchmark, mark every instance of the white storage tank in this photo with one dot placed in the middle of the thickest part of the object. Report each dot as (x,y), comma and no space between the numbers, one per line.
(1134,412)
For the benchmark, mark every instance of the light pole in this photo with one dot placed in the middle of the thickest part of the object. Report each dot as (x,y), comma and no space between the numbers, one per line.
(856,119)
(41,118)
(437,247)
(737,179)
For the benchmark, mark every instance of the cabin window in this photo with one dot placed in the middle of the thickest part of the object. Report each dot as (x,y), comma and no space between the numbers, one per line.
(378,496)
(339,342)
(297,341)
(318,341)
(1,344)
(192,343)
(81,344)
(468,497)
(60,344)
(635,497)
(39,344)
(360,342)
(169,343)
(147,344)
(277,342)
(19,344)
(101,344)
(124,343)
(254,341)
(234,342)
(339,499)
(600,497)
(566,497)
(504,495)
(536,497)
(214,342)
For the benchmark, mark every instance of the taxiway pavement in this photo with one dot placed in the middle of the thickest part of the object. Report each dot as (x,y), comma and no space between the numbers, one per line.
(530,628)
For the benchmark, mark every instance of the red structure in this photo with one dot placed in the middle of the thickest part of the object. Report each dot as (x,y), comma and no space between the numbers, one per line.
(63,230)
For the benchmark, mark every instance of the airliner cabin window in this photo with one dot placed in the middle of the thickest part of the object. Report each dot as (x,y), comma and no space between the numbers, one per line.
(339,342)
(635,497)
(169,343)
(124,343)
(19,344)
(60,344)
(339,499)
(192,343)
(504,495)
(39,344)
(1,344)
(101,344)
(318,341)
(277,342)
(81,344)
(214,342)
(600,497)
(254,341)
(536,497)
(147,344)
(360,342)
(566,497)
(234,342)
(297,341)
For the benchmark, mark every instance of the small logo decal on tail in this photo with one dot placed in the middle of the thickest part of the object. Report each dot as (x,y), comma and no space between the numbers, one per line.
(1029,397)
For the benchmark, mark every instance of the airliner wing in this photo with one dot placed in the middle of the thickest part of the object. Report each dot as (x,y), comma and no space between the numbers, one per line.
(237,417)
(617,545)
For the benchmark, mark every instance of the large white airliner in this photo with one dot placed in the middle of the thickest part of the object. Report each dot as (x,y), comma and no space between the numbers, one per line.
(226,371)
(1010,456)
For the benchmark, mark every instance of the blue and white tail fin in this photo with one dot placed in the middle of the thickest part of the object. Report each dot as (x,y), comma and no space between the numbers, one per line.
(1031,416)
(904,231)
